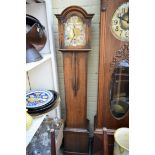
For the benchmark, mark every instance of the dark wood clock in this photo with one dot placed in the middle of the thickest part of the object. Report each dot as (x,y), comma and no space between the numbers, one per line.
(113,84)
(74,25)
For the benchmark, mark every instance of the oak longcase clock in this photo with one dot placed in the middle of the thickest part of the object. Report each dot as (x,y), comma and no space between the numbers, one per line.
(74,41)
(113,84)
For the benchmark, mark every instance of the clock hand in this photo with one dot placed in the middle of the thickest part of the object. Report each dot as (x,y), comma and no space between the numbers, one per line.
(128,11)
(124,19)
(72,38)
(73,35)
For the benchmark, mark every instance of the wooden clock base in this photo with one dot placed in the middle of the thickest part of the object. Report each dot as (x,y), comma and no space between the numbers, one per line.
(76,141)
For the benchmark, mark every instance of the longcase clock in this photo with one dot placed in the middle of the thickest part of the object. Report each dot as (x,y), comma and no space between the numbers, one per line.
(74,40)
(113,85)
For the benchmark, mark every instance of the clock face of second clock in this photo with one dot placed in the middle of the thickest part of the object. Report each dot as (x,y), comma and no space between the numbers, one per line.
(120,22)
(74,32)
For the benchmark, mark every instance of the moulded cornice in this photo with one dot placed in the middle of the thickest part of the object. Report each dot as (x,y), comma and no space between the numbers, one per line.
(71,9)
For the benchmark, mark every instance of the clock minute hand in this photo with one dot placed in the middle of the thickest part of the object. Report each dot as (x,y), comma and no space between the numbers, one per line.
(123,19)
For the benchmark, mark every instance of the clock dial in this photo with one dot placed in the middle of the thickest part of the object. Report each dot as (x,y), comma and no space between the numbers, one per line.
(74,32)
(120,22)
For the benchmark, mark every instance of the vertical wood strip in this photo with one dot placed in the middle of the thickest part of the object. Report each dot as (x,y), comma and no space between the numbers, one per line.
(105,142)
(53,146)
(100,105)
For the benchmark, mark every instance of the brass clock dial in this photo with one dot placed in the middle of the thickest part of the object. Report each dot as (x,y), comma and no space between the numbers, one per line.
(120,22)
(74,32)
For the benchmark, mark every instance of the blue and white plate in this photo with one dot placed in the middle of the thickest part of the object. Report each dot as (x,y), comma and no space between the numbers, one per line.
(38,98)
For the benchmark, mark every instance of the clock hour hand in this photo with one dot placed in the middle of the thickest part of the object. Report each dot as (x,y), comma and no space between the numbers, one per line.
(73,35)
(72,38)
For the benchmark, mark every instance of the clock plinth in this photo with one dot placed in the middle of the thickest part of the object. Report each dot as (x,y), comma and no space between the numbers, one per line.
(76,141)
(74,41)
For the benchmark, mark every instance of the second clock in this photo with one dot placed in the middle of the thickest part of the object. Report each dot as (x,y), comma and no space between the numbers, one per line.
(113,78)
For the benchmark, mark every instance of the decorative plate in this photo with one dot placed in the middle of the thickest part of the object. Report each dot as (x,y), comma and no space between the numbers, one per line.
(44,109)
(38,98)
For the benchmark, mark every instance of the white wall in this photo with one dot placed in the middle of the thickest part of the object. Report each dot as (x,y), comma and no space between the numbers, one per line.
(91,6)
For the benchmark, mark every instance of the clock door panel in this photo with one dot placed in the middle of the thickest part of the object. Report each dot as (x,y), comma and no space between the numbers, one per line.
(119,90)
